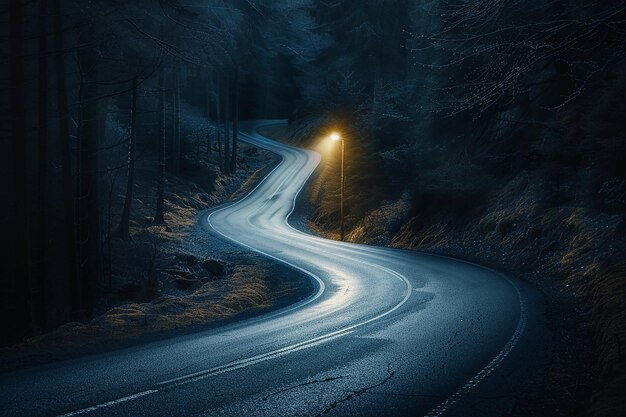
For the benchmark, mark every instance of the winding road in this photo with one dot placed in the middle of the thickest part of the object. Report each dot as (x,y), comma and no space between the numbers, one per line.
(387,332)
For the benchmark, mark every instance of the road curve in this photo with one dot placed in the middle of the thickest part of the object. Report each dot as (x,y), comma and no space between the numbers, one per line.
(386,332)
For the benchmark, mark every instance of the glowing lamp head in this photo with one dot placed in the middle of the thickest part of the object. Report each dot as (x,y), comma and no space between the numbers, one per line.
(335,137)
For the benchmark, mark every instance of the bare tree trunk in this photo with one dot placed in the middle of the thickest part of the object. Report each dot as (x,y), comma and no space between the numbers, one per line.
(66,167)
(123,230)
(88,220)
(233,158)
(266,98)
(177,139)
(226,165)
(208,113)
(218,105)
(109,232)
(42,172)
(159,217)
(18,143)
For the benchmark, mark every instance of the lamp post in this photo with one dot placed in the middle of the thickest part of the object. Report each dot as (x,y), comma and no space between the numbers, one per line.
(336,137)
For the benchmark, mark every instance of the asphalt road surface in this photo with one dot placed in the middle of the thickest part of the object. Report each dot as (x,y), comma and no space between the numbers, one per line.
(386,333)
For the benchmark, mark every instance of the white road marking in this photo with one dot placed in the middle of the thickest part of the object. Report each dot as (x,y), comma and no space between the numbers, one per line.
(197,376)
(495,362)
(110,403)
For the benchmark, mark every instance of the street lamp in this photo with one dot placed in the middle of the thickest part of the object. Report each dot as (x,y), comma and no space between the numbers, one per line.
(336,137)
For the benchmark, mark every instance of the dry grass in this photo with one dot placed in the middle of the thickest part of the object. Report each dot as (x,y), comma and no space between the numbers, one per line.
(433,236)
(604,288)
(378,227)
(578,246)
(216,301)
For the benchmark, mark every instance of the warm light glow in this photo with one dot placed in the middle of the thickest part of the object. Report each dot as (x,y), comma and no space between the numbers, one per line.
(335,136)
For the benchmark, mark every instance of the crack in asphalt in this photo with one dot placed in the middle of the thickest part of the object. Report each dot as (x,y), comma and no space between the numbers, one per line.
(316,381)
(359,392)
